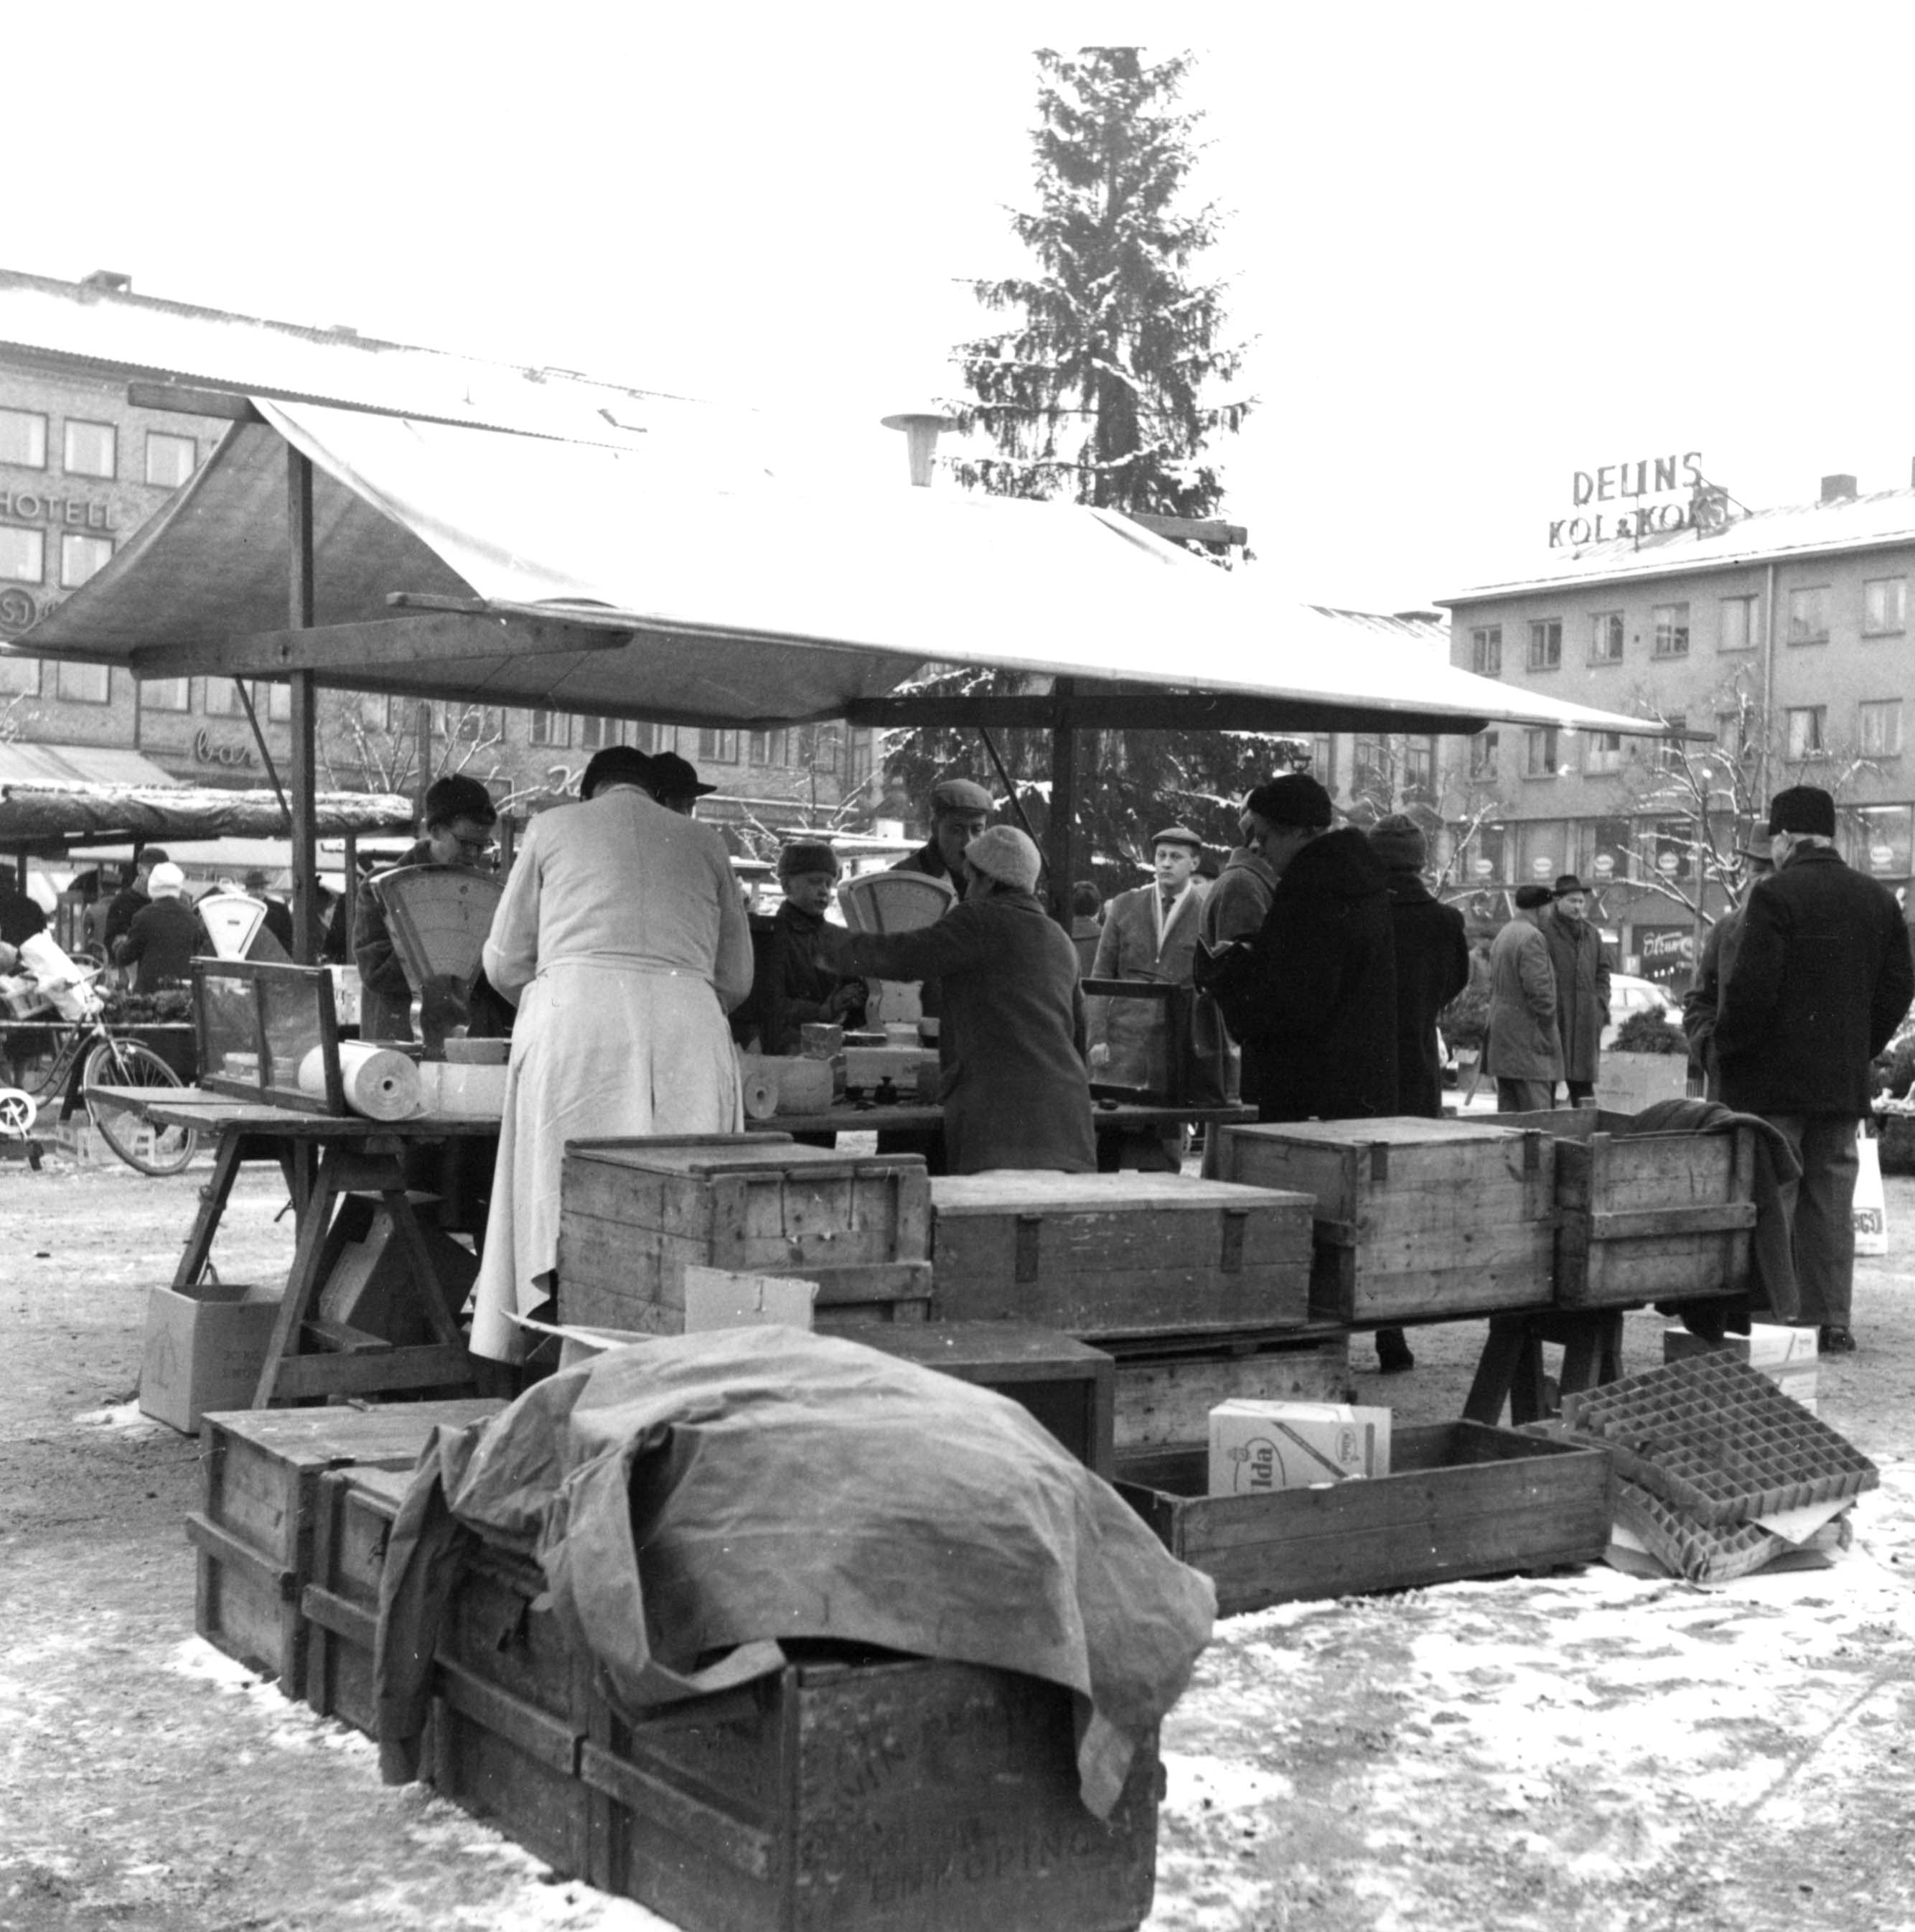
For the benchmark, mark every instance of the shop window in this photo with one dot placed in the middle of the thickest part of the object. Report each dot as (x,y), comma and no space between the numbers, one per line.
(1671,623)
(20,677)
(1602,752)
(1484,748)
(85,684)
(1807,726)
(1608,843)
(1884,835)
(1808,615)
(1488,853)
(552,727)
(92,449)
(1546,644)
(23,439)
(1486,651)
(81,558)
(1884,606)
(1605,642)
(1738,628)
(1539,744)
(170,460)
(166,694)
(1543,851)
(1878,728)
(1673,841)
(22,555)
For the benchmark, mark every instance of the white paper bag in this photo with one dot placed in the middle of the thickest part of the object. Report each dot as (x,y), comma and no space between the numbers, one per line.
(1872,1220)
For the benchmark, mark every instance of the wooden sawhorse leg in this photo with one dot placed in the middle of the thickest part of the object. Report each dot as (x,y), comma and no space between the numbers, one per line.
(236,1148)
(1510,1368)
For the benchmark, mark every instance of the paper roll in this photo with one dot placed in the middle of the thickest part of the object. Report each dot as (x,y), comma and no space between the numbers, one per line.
(377,1082)
(761,1097)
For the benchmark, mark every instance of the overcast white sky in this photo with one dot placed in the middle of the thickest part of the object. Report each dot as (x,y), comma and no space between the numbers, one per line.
(1478,248)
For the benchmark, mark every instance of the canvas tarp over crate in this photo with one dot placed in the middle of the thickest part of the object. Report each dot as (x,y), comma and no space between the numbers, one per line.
(783,1484)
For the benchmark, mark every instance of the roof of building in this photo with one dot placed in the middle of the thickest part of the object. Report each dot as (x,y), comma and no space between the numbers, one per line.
(1803,529)
(1417,626)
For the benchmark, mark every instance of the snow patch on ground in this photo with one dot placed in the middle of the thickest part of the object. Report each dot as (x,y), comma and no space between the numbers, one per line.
(125,1416)
(194,1657)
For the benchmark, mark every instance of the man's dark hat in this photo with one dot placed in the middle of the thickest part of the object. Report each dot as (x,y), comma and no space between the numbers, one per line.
(1803,808)
(1528,898)
(1176,835)
(1295,799)
(1398,843)
(617,764)
(1568,884)
(675,777)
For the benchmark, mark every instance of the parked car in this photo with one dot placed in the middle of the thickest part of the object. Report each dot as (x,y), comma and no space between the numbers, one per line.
(1629,994)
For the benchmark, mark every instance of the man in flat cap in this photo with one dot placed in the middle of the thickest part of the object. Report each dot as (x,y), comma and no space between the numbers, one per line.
(959,812)
(1321,1032)
(1823,977)
(1582,984)
(1523,1051)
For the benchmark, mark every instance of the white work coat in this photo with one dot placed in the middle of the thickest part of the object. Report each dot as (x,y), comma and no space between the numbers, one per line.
(622,938)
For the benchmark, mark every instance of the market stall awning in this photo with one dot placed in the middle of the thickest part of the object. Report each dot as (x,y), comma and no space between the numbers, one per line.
(24,763)
(40,816)
(636,582)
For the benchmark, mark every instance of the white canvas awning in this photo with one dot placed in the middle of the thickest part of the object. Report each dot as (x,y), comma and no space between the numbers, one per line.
(635,582)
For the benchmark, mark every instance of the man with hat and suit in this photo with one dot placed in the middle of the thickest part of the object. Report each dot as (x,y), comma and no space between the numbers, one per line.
(674,783)
(1822,977)
(1523,1051)
(1582,984)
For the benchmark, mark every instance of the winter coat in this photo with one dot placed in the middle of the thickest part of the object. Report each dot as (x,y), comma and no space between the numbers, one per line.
(1322,1032)
(161,941)
(1432,967)
(21,918)
(1523,1043)
(127,901)
(793,984)
(1014,1089)
(1131,947)
(1704,1000)
(386,995)
(1582,990)
(1086,929)
(1823,977)
(1234,910)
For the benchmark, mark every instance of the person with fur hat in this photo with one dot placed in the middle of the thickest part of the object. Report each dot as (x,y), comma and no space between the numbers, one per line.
(1320,1019)
(1522,1050)
(1823,977)
(1582,984)
(793,984)
(165,933)
(1014,1088)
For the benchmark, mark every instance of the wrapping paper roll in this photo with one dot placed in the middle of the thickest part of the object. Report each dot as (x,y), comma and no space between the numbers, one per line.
(379,1083)
(761,1097)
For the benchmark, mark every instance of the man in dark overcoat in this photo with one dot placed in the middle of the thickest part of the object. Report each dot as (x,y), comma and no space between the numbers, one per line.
(1234,910)
(1700,1003)
(1582,984)
(1823,977)
(1321,1015)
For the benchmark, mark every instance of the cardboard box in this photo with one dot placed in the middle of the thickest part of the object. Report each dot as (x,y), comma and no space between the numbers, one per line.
(205,1349)
(1787,1356)
(1258,1447)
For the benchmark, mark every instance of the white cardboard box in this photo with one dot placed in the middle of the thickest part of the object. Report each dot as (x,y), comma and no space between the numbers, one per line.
(1257,1448)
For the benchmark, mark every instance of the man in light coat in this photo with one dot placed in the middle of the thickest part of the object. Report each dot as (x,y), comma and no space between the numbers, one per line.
(1582,986)
(1149,934)
(1524,1052)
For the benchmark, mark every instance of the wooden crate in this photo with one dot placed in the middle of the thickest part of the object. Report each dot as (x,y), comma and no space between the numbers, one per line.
(260,1470)
(1070,1388)
(634,1214)
(902,1795)
(1415,1219)
(1462,1500)
(355,1513)
(1626,1083)
(1164,1396)
(510,1707)
(1105,1255)
(1646,1217)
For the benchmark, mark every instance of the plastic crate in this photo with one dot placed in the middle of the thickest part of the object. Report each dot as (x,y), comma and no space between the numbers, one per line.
(1719,1441)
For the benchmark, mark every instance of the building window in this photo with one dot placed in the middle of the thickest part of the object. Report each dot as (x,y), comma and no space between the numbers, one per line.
(1602,751)
(1884,837)
(1808,731)
(770,749)
(1368,769)
(1483,748)
(1605,642)
(1670,753)
(22,555)
(20,677)
(1673,843)
(1539,752)
(1878,728)
(596,734)
(717,747)
(92,449)
(1808,615)
(1546,644)
(1486,651)
(1738,628)
(1419,770)
(551,728)
(86,684)
(23,439)
(1671,623)
(1608,845)
(1323,760)
(222,698)
(1884,606)
(81,558)
(166,694)
(170,460)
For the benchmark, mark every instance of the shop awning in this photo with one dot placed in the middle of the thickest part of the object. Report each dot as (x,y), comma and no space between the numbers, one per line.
(22,763)
(45,816)
(635,582)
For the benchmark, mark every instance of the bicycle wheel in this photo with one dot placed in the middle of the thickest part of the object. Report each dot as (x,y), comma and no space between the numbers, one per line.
(140,1144)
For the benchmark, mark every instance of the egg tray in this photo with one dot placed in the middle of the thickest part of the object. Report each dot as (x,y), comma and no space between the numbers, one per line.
(1701,1554)
(1719,1440)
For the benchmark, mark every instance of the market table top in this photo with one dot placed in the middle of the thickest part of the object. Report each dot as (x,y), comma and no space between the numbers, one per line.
(221,1113)
(1126,1117)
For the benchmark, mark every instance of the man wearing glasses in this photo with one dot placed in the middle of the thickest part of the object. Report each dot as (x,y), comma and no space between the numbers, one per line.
(459,823)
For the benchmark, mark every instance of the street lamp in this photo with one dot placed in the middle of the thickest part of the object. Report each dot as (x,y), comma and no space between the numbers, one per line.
(921,428)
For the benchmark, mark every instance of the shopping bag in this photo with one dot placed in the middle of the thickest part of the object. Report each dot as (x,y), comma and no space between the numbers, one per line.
(1871,1225)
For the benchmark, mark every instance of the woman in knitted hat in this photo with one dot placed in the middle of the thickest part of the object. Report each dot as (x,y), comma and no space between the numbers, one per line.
(794,984)
(1014,1091)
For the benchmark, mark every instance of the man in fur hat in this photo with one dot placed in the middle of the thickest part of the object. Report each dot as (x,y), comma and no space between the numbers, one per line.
(1582,984)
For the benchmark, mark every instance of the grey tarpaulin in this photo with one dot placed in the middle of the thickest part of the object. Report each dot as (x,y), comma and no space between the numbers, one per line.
(706,1493)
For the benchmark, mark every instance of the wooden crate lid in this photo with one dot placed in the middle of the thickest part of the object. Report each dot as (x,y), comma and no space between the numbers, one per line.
(1011,1192)
(1404,1130)
(319,1438)
(955,1346)
(704,1156)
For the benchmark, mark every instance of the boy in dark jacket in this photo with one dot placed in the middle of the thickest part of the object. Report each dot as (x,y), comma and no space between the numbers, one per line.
(794,985)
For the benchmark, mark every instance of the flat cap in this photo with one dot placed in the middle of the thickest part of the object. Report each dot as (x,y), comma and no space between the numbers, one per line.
(1176,835)
(960,795)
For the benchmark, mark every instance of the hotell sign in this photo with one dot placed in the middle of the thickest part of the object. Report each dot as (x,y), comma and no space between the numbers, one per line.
(1674,481)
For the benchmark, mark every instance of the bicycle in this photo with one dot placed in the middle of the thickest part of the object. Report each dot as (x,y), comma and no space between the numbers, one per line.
(86,1055)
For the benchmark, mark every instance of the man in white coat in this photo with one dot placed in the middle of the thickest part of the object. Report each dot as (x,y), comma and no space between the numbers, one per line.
(622,939)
